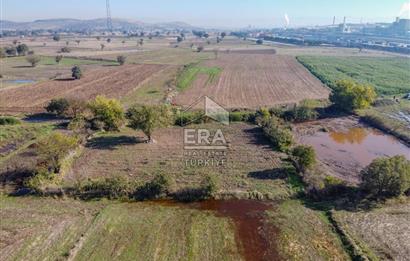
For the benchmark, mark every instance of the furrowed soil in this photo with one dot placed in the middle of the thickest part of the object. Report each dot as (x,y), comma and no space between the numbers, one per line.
(254,81)
(382,233)
(248,164)
(113,82)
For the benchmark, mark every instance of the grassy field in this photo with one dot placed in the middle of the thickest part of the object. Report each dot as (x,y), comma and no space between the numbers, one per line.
(12,137)
(49,229)
(250,162)
(305,234)
(388,75)
(189,74)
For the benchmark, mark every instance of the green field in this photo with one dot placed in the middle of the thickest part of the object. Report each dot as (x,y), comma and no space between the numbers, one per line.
(190,72)
(389,76)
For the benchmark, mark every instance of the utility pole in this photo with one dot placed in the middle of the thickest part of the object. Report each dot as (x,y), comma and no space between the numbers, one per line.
(109,20)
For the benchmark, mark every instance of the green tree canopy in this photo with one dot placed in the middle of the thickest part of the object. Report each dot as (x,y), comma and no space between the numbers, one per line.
(349,95)
(387,177)
(148,118)
(107,111)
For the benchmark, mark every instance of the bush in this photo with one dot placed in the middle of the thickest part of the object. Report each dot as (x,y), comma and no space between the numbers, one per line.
(11,51)
(246,116)
(56,38)
(22,49)
(189,117)
(107,111)
(9,121)
(200,49)
(121,59)
(300,114)
(259,41)
(387,177)
(348,95)
(262,118)
(76,72)
(158,187)
(65,49)
(33,60)
(206,190)
(111,188)
(39,180)
(280,136)
(52,149)
(304,157)
(58,106)
(58,58)
(148,118)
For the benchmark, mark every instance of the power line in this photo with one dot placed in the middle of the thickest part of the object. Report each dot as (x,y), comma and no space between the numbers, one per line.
(109,20)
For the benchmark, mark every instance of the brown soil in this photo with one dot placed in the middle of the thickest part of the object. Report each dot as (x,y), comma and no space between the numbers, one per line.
(256,80)
(113,82)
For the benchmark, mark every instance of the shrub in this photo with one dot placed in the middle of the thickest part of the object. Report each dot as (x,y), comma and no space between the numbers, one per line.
(262,118)
(348,95)
(58,106)
(121,59)
(40,178)
(76,72)
(159,186)
(58,58)
(33,60)
(11,51)
(56,38)
(65,49)
(52,149)
(209,186)
(22,49)
(200,49)
(111,188)
(259,41)
(387,177)
(300,114)
(9,121)
(280,136)
(304,157)
(148,118)
(241,116)
(189,117)
(107,111)
(206,190)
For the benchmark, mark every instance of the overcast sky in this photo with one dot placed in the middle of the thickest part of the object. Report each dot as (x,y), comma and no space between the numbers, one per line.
(212,13)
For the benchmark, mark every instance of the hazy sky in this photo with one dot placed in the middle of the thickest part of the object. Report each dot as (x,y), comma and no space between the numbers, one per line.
(226,13)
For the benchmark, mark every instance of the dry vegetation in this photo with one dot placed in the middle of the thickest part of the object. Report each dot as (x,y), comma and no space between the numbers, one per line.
(253,81)
(113,82)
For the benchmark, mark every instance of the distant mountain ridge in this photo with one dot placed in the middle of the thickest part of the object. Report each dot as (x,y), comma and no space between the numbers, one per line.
(92,24)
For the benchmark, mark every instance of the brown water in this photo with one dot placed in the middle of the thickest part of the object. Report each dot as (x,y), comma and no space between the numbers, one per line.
(357,147)
(253,234)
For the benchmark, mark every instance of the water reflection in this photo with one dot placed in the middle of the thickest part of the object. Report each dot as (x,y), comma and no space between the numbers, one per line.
(354,135)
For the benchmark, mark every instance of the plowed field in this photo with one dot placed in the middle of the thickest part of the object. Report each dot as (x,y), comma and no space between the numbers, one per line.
(113,82)
(255,80)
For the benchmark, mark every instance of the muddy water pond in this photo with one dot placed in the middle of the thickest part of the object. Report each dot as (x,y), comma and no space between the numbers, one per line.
(254,234)
(348,149)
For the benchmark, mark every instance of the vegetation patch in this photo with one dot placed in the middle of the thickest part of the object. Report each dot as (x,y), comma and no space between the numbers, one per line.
(389,75)
(189,73)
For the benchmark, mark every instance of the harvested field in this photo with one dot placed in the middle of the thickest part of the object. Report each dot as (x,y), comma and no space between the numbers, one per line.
(250,162)
(254,81)
(381,233)
(113,82)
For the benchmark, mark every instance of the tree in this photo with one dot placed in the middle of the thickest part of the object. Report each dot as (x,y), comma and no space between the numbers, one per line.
(102,47)
(58,106)
(53,149)
(15,42)
(76,72)
(387,177)
(109,40)
(22,49)
(121,59)
(98,38)
(58,58)
(259,41)
(11,51)
(141,42)
(148,118)
(67,43)
(200,49)
(179,39)
(56,38)
(304,157)
(223,34)
(65,49)
(78,42)
(279,135)
(349,95)
(33,60)
(107,111)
